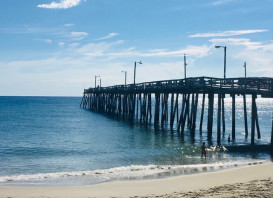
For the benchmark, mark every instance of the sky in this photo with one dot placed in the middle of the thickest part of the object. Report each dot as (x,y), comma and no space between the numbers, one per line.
(57,47)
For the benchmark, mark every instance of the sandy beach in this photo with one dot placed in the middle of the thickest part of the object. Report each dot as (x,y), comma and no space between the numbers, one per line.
(254,180)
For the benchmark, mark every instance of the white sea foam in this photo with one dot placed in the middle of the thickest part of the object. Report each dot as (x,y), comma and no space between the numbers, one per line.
(127,172)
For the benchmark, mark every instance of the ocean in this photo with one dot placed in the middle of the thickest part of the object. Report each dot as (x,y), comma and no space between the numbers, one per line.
(51,141)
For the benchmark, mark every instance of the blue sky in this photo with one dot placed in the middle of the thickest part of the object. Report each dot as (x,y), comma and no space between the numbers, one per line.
(56,47)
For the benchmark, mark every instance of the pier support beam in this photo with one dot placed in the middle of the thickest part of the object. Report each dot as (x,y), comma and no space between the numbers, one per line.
(223,113)
(257,122)
(202,113)
(157,103)
(219,120)
(150,106)
(253,118)
(210,114)
(272,137)
(181,113)
(171,113)
(194,114)
(233,116)
(245,116)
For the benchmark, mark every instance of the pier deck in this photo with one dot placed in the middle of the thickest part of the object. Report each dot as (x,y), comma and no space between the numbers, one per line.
(258,86)
(135,102)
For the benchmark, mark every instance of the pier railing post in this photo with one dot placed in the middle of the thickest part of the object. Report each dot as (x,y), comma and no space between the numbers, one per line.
(193,125)
(253,118)
(272,137)
(223,112)
(202,113)
(257,122)
(210,115)
(157,103)
(219,119)
(233,116)
(245,116)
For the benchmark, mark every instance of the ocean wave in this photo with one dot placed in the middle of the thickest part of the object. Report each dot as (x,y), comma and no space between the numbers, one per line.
(128,172)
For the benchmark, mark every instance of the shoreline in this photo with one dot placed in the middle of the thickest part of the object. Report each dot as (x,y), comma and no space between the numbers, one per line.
(154,187)
(116,174)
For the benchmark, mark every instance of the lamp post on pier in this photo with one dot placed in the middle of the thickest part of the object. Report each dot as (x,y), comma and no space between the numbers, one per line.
(185,66)
(225,53)
(96,80)
(125,74)
(135,71)
(245,69)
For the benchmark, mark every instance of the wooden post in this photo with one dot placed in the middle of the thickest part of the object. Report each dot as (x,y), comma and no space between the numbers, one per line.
(193,125)
(176,106)
(162,109)
(166,107)
(219,120)
(133,100)
(202,113)
(171,113)
(191,112)
(188,107)
(150,105)
(145,107)
(184,110)
(233,116)
(210,115)
(257,122)
(245,116)
(157,103)
(140,107)
(137,103)
(272,137)
(81,105)
(223,113)
(253,118)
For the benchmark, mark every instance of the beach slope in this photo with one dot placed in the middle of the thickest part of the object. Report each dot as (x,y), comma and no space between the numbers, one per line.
(245,178)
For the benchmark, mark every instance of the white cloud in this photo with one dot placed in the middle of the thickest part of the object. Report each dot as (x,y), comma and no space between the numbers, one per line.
(221,2)
(68,25)
(197,51)
(110,35)
(257,54)
(61,44)
(97,49)
(63,4)
(73,69)
(78,35)
(237,41)
(49,41)
(73,45)
(226,33)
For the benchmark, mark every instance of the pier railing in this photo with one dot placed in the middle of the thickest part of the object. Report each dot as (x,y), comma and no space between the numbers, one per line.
(135,102)
(259,86)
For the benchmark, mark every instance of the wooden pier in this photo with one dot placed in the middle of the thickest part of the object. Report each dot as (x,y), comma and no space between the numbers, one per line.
(158,102)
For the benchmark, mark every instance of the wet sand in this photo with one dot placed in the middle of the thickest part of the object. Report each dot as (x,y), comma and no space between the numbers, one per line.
(250,181)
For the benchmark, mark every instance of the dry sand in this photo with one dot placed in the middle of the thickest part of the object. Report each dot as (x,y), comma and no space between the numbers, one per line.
(251,181)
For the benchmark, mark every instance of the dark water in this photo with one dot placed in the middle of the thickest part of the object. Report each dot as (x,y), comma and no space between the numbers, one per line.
(52,141)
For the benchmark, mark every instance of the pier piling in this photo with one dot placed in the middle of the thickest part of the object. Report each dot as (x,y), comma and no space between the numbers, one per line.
(245,116)
(210,114)
(233,116)
(219,119)
(202,113)
(135,102)
(223,112)
(253,119)
(272,137)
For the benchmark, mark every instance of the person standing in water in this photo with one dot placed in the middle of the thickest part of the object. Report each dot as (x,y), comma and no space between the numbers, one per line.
(203,150)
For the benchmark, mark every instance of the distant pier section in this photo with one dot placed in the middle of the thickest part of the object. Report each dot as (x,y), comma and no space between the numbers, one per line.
(158,102)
